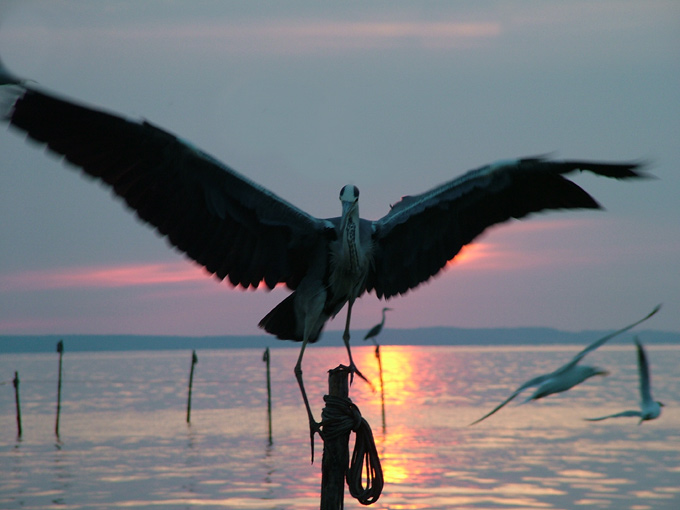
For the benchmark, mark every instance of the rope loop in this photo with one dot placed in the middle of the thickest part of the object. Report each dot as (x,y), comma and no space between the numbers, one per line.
(341,416)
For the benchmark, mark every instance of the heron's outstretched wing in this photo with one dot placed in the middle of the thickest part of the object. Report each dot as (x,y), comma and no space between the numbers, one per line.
(230,225)
(532,382)
(599,342)
(421,233)
(622,414)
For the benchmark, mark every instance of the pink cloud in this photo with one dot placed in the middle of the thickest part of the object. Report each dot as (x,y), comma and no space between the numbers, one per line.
(347,34)
(515,248)
(294,36)
(105,276)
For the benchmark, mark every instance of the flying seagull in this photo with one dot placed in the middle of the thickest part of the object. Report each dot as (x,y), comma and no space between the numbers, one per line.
(567,376)
(650,409)
(375,330)
(240,231)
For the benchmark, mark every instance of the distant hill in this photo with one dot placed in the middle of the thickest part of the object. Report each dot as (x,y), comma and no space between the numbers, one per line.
(420,336)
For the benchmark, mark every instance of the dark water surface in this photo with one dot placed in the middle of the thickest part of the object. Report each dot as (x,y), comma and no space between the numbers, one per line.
(125,443)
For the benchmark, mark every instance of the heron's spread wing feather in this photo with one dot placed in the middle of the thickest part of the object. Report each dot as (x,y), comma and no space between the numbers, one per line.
(421,233)
(230,225)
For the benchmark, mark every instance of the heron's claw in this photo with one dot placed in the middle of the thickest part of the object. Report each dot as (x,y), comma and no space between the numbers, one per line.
(314,428)
(354,370)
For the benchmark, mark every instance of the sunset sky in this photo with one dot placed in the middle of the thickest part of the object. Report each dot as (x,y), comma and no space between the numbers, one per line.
(394,97)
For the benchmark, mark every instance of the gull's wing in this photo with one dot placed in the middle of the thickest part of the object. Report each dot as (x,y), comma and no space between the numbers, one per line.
(230,225)
(622,414)
(422,233)
(598,343)
(643,370)
(532,382)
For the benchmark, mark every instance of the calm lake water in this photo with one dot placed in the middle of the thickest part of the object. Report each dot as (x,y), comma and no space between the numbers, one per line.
(125,442)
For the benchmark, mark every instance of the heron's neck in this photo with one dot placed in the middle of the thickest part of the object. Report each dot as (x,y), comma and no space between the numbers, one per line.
(350,239)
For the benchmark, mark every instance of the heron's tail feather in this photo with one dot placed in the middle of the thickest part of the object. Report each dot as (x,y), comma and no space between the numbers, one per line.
(281,321)
(284,323)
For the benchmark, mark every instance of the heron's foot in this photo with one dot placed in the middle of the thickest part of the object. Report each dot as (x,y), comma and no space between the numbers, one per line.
(354,370)
(314,428)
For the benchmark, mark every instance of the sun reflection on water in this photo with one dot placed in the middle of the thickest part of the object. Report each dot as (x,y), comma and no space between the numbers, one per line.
(406,372)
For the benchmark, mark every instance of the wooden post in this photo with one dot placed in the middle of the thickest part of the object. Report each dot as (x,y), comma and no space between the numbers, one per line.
(18,406)
(194,360)
(335,450)
(265,358)
(60,350)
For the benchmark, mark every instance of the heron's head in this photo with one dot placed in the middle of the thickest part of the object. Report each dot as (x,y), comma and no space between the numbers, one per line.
(599,371)
(349,196)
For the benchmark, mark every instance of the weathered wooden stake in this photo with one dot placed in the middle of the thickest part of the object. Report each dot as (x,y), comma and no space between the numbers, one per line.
(60,350)
(335,450)
(194,360)
(265,358)
(16,399)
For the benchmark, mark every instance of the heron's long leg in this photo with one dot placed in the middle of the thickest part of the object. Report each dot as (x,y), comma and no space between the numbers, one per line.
(345,337)
(314,426)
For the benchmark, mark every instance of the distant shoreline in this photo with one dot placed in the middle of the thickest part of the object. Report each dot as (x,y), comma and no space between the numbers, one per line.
(420,336)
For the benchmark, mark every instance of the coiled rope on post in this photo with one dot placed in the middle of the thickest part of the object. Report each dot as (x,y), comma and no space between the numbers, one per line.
(340,416)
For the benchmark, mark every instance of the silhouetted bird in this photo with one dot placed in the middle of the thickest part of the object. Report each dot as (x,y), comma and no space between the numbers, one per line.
(375,330)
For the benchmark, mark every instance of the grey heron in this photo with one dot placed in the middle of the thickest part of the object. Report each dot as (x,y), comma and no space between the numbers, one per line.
(568,375)
(650,409)
(375,330)
(240,231)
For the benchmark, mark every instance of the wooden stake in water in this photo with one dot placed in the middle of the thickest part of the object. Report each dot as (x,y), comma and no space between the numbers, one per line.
(335,449)
(265,358)
(18,406)
(60,350)
(194,360)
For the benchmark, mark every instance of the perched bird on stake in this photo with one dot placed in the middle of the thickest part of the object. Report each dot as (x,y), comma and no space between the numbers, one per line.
(650,409)
(567,376)
(241,231)
(375,330)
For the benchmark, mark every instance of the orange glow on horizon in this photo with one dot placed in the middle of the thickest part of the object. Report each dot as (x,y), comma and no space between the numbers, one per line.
(509,248)
(471,253)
